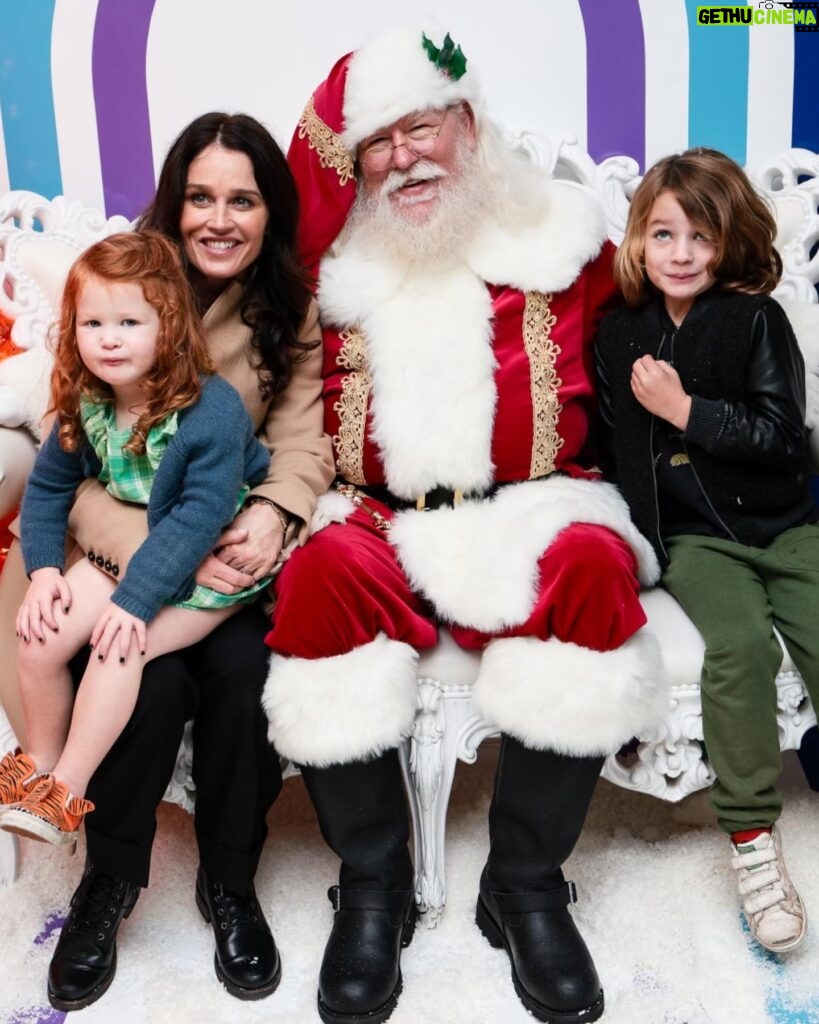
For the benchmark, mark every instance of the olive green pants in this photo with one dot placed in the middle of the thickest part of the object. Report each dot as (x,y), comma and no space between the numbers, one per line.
(735,595)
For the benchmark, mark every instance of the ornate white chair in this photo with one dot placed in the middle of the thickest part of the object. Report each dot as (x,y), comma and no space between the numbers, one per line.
(38,240)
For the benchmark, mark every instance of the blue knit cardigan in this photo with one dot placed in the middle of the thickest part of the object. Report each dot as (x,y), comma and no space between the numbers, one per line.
(193,497)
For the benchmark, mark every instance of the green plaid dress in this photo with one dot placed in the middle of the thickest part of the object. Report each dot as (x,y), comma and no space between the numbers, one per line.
(129,477)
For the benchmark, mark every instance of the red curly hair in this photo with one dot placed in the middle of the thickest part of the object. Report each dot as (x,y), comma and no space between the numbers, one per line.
(148,259)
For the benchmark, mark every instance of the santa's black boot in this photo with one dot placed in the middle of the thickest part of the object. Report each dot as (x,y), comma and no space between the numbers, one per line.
(538,809)
(362,813)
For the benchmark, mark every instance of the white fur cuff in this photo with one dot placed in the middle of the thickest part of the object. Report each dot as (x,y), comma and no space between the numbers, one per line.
(560,696)
(331,507)
(341,709)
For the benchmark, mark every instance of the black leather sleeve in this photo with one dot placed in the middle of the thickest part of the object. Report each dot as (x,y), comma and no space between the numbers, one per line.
(769,425)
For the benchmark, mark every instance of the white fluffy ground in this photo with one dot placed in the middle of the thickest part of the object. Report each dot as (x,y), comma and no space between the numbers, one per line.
(658,910)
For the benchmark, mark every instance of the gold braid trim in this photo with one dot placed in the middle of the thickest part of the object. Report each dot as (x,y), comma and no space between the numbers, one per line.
(352,407)
(538,321)
(320,137)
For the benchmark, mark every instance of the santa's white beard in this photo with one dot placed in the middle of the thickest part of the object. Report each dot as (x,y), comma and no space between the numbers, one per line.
(437,240)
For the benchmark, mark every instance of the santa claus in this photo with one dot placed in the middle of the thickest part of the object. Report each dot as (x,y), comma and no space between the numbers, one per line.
(459,290)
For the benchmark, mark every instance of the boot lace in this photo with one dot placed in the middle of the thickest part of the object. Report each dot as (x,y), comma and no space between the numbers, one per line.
(232,909)
(97,905)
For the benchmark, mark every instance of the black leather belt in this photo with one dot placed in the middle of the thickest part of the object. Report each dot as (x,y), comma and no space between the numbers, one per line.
(438,497)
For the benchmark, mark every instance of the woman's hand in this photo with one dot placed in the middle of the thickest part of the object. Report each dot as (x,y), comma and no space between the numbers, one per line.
(657,387)
(116,630)
(36,613)
(247,550)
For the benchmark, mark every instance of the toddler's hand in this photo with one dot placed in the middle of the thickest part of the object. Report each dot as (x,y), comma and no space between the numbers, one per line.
(116,630)
(36,613)
(656,386)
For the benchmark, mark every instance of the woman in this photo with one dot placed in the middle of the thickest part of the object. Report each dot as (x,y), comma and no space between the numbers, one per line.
(225,196)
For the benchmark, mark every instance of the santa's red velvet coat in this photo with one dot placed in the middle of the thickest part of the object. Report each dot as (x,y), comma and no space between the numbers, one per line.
(463,377)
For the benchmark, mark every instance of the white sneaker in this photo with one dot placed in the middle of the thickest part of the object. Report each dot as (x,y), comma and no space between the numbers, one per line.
(772,906)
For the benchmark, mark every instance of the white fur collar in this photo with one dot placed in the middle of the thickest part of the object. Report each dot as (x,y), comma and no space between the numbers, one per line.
(429,335)
(547,255)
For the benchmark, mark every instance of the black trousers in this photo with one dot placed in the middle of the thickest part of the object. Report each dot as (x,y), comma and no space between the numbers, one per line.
(218,684)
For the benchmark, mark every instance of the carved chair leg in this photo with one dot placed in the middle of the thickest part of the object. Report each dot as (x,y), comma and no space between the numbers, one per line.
(429,766)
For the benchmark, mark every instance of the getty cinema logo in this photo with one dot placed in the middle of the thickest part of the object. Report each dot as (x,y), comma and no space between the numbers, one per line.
(802,15)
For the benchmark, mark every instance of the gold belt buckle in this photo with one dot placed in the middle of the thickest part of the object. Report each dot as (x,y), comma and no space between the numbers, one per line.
(421,501)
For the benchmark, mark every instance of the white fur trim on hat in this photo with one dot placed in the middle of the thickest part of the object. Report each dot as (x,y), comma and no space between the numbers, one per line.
(392,76)
(335,710)
(560,696)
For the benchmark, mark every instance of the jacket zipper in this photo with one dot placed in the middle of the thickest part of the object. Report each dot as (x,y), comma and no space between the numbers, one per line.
(703,492)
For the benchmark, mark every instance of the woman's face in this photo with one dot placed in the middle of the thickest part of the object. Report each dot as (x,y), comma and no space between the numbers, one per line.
(223,215)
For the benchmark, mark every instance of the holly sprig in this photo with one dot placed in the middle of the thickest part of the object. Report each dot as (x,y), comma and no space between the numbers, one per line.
(449,58)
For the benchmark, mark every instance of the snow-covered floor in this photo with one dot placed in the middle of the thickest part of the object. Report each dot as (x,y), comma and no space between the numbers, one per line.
(657,906)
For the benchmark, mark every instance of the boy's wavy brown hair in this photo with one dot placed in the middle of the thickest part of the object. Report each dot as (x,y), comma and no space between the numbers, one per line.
(148,259)
(717,197)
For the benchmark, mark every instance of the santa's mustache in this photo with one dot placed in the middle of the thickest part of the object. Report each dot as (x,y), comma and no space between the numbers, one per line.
(423,170)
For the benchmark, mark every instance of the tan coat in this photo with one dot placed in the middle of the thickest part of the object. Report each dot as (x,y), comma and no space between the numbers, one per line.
(292,425)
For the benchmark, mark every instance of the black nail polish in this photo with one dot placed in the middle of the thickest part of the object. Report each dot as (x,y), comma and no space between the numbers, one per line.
(122,661)
(99,657)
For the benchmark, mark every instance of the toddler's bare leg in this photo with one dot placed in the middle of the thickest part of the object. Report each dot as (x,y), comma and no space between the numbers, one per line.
(109,689)
(45,683)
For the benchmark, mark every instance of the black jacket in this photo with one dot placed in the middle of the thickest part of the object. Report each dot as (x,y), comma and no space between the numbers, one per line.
(746,440)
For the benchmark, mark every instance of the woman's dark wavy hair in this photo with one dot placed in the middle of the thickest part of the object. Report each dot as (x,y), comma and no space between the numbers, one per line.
(277,289)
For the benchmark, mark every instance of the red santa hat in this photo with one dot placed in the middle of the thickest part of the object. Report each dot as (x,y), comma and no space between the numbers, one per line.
(388,78)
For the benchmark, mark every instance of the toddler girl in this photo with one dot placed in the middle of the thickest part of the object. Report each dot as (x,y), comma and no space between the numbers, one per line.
(137,407)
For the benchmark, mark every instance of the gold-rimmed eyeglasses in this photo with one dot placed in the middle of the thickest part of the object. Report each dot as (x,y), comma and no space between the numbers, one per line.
(419,139)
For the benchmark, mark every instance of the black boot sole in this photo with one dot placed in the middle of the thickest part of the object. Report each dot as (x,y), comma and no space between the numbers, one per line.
(67,1005)
(493,934)
(383,1012)
(238,991)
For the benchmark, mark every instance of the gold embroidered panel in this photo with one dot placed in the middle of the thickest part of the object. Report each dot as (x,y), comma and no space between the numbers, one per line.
(321,137)
(352,407)
(538,321)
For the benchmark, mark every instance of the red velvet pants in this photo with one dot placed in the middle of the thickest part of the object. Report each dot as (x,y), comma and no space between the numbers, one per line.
(346,585)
